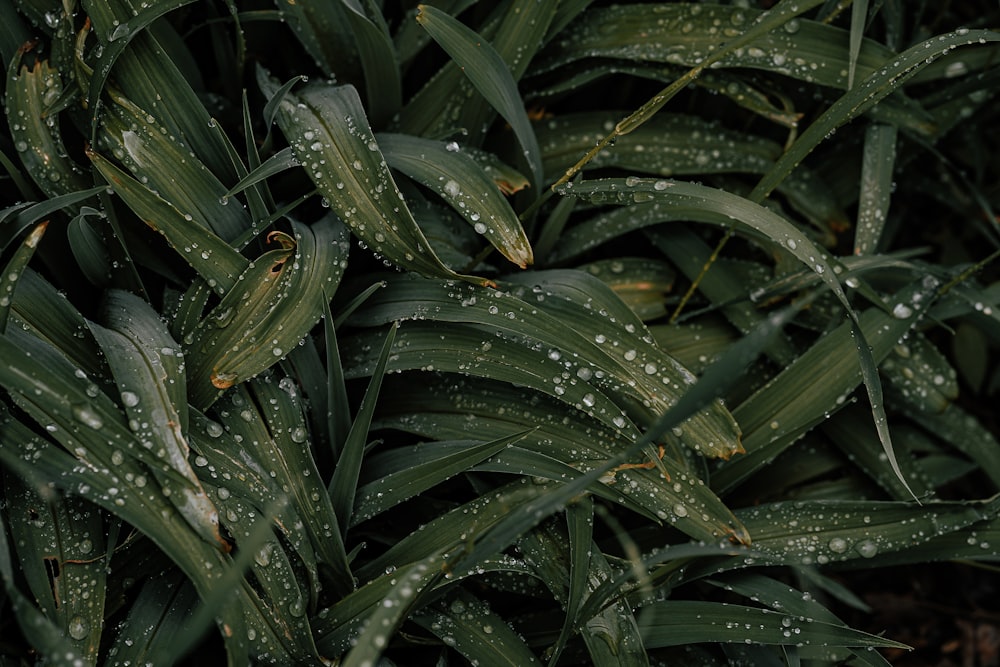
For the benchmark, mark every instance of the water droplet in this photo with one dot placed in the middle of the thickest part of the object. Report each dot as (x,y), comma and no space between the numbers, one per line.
(837,545)
(866,548)
(296,608)
(87,416)
(680,510)
(452,188)
(954,69)
(901,311)
(263,557)
(130,399)
(78,627)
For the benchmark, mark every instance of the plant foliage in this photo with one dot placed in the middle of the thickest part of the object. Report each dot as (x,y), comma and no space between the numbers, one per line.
(520,332)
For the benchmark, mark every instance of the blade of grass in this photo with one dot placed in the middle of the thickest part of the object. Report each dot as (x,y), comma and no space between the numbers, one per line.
(821,532)
(14,268)
(783,13)
(42,633)
(391,489)
(464,185)
(36,136)
(467,624)
(329,134)
(859,20)
(876,187)
(216,261)
(716,379)
(682,622)
(488,73)
(58,541)
(344,482)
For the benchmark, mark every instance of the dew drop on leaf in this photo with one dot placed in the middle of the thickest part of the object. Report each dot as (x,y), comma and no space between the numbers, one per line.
(78,627)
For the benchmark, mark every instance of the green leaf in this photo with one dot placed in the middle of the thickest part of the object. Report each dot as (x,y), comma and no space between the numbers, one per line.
(117,37)
(86,426)
(859,16)
(43,635)
(277,163)
(407,586)
(821,532)
(14,268)
(483,637)
(88,247)
(390,489)
(714,382)
(377,52)
(330,136)
(21,216)
(958,428)
(775,228)
(876,86)
(681,622)
(210,256)
(163,164)
(464,185)
(876,187)
(488,73)
(36,136)
(149,372)
(59,543)
(690,33)
(40,308)
(344,482)
(800,396)
(538,306)
(266,413)
(157,621)
(274,304)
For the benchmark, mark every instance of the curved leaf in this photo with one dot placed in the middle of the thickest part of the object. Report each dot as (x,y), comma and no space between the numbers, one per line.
(464,185)
(488,73)
(330,136)
(276,301)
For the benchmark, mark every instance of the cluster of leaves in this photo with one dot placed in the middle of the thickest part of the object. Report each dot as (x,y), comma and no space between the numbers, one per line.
(514,332)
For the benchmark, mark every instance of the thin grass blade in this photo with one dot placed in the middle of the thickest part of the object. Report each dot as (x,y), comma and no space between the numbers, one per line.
(344,482)
(488,73)
(876,187)
(14,268)
(681,622)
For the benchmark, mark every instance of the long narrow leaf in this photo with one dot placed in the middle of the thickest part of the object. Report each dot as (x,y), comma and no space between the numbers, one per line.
(488,73)
(344,483)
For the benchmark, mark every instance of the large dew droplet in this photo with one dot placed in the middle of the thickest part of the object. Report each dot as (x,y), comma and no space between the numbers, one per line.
(87,416)
(78,627)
